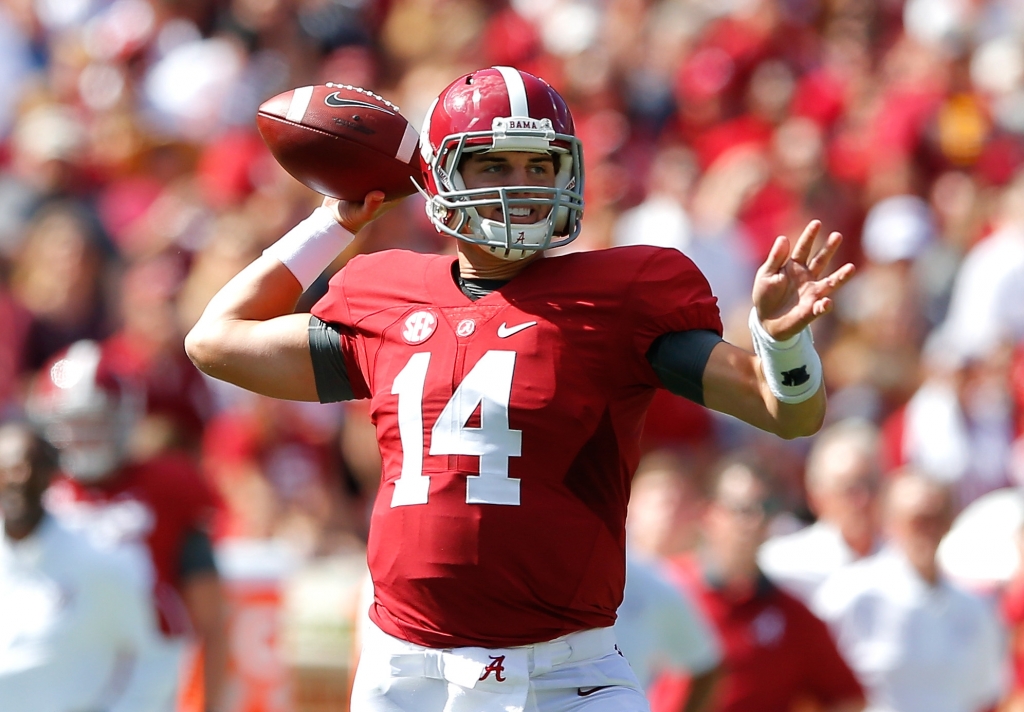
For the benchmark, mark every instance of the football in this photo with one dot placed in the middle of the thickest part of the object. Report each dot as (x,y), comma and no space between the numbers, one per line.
(341,141)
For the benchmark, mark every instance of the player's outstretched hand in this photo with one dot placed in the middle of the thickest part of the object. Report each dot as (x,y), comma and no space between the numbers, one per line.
(792,288)
(355,216)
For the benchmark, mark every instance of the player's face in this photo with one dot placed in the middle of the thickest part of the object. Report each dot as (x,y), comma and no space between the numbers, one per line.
(508,168)
(88,445)
(23,477)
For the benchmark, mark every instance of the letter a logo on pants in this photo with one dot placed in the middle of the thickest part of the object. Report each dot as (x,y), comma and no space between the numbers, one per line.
(497,666)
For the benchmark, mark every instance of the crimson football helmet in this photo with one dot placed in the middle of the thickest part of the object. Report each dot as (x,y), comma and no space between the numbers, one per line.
(501,109)
(85,411)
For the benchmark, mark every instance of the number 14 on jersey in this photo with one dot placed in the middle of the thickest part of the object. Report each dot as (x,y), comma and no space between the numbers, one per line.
(489,386)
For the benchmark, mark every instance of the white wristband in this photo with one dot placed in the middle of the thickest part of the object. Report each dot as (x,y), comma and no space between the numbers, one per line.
(309,247)
(791,367)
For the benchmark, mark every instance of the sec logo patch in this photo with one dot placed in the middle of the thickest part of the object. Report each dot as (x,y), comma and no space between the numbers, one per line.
(419,326)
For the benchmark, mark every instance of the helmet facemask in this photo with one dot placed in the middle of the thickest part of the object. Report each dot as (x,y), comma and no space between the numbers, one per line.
(454,210)
(91,446)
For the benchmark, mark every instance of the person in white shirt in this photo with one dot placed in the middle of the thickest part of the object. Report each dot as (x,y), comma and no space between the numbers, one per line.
(842,481)
(660,630)
(917,642)
(73,617)
(986,306)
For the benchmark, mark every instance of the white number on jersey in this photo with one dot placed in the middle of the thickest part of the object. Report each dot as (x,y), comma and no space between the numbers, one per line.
(489,386)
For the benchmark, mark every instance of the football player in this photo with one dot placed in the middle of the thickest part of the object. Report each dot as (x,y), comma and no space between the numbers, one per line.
(74,620)
(156,511)
(508,391)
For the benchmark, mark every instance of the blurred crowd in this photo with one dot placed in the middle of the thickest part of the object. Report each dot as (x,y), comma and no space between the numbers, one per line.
(133,185)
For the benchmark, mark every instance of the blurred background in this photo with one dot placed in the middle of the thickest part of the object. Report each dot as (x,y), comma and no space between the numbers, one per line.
(133,185)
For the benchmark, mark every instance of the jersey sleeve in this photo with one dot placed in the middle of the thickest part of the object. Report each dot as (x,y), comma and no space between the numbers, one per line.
(333,308)
(668,294)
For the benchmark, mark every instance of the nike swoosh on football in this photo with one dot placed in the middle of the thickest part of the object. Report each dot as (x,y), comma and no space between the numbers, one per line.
(337,102)
(591,690)
(505,331)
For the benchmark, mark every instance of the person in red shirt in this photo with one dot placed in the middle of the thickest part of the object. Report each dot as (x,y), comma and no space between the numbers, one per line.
(508,390)
(776,653)
(157,511)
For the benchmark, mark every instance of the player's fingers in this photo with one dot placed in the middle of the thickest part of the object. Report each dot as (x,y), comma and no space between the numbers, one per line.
(777,256)
(372,202)
(822,306)
(835,280)
(802,250)
(823,256)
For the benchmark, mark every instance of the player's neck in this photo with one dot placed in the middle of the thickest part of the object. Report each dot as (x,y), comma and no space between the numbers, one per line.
(477,263)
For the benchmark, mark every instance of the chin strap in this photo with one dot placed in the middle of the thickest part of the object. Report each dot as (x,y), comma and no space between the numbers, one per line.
(495,231)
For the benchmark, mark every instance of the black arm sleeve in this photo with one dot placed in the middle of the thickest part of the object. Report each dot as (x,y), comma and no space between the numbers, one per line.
(679,358)
(332,383)
(196,554)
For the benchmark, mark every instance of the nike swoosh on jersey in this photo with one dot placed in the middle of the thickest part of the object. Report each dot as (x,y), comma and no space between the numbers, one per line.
(591,690)
(505,331)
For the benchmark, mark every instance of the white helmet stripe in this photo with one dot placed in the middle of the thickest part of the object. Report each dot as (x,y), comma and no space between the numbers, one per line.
(516,91)
(426,150)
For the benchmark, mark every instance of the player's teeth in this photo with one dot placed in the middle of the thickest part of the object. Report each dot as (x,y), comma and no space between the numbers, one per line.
(519,212)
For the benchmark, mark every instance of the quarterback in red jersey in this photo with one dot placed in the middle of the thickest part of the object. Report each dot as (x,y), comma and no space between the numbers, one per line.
(156,511)
(508,390)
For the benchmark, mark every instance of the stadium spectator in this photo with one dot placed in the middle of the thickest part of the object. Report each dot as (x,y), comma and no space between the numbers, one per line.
(1012,605)
(843,477)
(665,504)
(277,467)
(57,278)
(157,511)
(917,642)
(660,630)
(74,619)
(776,653)
(148,349)
(960,424)
(16,320)
(986,309)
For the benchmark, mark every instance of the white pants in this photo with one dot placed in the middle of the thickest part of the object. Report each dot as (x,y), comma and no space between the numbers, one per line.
(579,672)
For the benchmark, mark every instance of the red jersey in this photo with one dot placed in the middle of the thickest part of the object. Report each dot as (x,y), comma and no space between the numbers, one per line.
(508,428)
(150,505)
(775,651)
